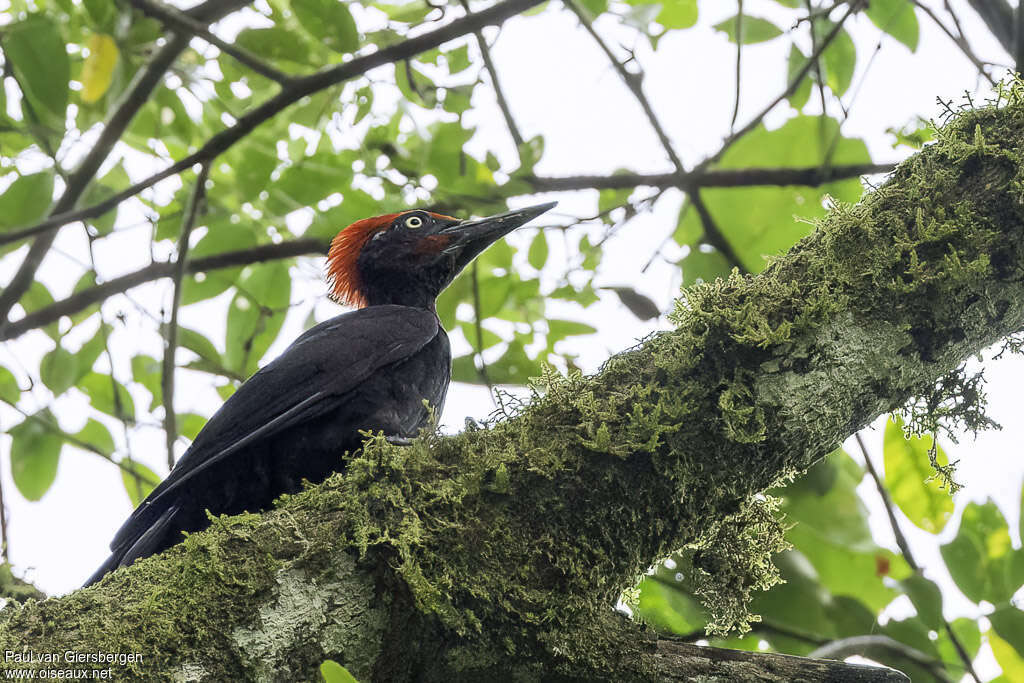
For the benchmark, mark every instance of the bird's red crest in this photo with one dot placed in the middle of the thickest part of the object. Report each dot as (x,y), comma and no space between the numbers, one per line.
(342,272)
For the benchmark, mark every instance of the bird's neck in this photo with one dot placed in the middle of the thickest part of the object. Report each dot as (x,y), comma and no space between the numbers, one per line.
(412,297)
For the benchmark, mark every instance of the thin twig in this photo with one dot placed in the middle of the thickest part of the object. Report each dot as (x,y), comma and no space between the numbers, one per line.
(633,81)
(177,20)
(790,88)
(479,348)
(739,58)
(4,549)
(499,94)
(862,645)
(84,445)
(297,89)
(733,177)
(171,343)
(959,41)
(904,546)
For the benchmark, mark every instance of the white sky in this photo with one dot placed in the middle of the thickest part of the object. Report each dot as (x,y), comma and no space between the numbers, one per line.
(559,85)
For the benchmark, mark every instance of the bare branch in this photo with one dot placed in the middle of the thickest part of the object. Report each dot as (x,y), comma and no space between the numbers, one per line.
(499,94)
(862,645)
(155,271)
(171,345)
(182,22)
(633,81)
(958,40)
(904,546)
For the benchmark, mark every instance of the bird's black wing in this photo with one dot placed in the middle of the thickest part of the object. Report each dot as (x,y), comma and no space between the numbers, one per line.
(306,381)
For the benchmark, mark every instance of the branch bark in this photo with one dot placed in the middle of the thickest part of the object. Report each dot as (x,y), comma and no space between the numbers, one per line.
(500,552)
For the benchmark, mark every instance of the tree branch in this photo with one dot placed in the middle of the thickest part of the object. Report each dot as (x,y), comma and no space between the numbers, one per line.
(499,94)
(171,344)
(794,83)
(181,22)
(155,271)
(742,177)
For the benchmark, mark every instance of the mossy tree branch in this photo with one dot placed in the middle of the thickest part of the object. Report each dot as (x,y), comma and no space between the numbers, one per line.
(501,551)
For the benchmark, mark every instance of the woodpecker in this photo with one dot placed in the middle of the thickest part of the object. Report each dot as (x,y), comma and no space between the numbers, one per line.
(366,370)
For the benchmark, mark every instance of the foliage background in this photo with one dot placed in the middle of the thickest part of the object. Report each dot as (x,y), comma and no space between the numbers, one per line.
(619,107)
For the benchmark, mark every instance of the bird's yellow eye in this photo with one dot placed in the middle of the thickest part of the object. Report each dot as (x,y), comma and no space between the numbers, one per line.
(414,222)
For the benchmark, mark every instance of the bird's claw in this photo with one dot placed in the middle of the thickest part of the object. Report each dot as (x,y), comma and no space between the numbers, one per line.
(398,440)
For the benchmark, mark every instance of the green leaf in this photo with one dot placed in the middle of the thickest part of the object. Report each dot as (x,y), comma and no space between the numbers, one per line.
(10,392)
(148,372)
(190,424)
(333,672)
(256,314)
(198,344)
(1008,621)
(489,338)
(967,633)
(100,389)
(751,29)
(35,51)
(560,329)
(98,69)
(139,481)
(668,608)
(677,14)
(897,18)
(330,22)
(96,434)
(458,58)
(796,61)
(840,60)
(927,599)
(639,305)
(1010,661)
(35,452)
(537,255)
(911,479)
(26,200)
(58,370)
(276,43)
(832,532)
(38,296)
(980,558)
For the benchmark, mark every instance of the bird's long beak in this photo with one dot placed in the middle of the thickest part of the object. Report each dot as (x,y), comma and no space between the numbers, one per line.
(472,237)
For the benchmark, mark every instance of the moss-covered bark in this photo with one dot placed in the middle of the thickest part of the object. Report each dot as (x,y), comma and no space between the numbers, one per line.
(501,551)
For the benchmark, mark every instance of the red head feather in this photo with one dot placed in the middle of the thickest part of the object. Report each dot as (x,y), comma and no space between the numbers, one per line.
(342,272)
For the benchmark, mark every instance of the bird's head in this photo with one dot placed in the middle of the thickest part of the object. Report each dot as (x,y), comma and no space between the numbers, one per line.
(410,257)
